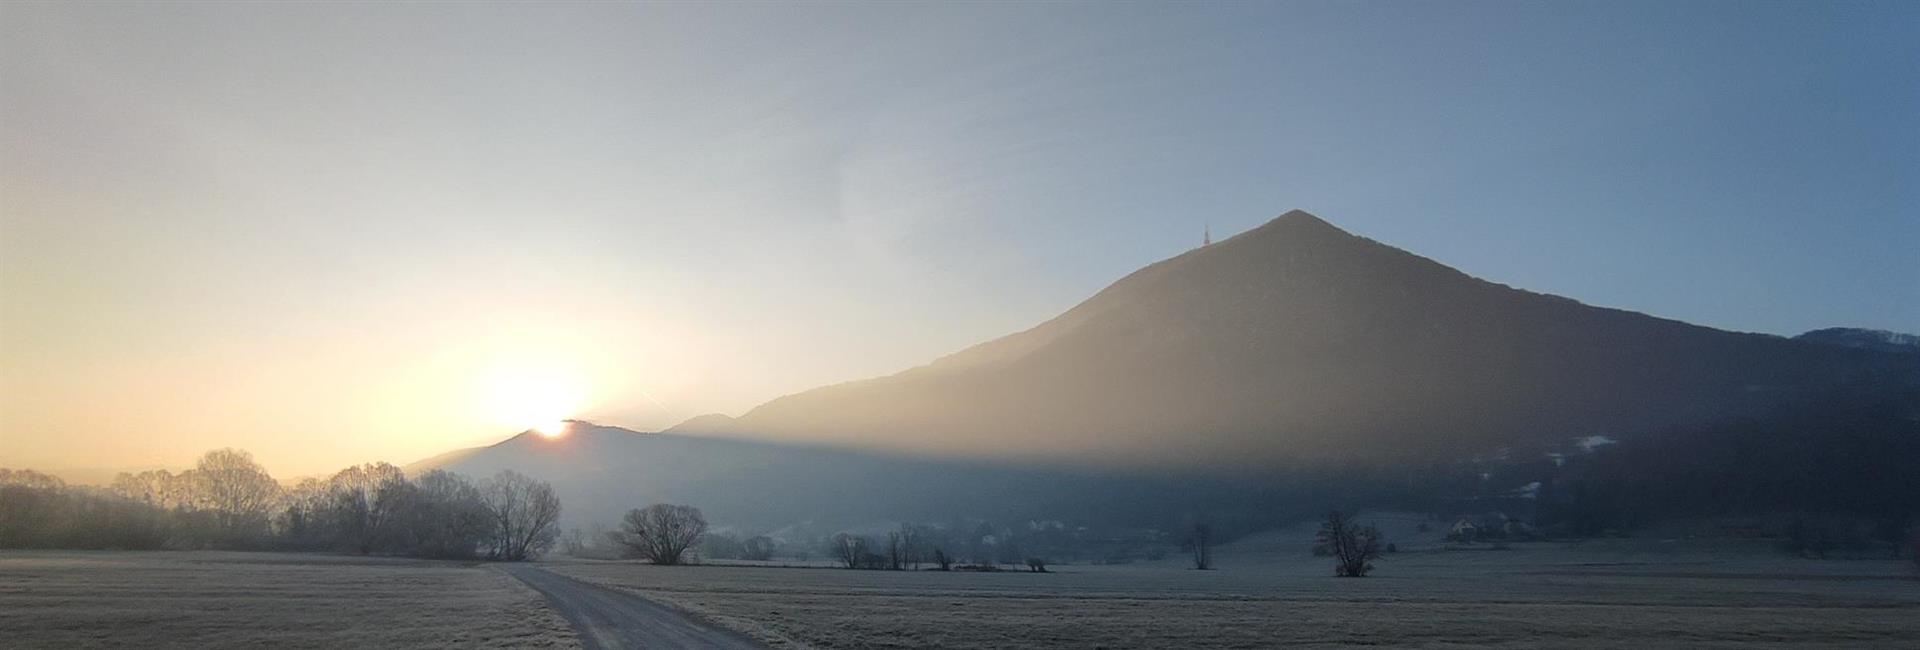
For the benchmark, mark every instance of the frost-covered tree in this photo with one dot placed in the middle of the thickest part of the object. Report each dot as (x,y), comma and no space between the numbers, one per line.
(661,533)
(1353,547)
(525,516)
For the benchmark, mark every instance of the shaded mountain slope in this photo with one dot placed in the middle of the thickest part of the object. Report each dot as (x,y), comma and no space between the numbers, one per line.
(600,472)
(1299,341)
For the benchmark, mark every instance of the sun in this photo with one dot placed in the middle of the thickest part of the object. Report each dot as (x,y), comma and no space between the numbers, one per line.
(534,399)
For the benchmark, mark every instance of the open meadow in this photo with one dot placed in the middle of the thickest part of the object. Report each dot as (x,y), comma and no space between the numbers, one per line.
(1617,593)
(85,599)
(1266,593)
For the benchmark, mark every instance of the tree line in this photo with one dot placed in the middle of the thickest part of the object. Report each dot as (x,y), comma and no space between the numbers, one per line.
(228,501)
(1831,471)
(670,534)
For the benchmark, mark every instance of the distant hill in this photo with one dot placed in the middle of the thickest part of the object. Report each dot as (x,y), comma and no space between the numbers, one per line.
(1299,341)
(1864,339)
(600,472)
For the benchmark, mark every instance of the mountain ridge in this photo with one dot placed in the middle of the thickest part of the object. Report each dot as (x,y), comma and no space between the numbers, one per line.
(1300,312)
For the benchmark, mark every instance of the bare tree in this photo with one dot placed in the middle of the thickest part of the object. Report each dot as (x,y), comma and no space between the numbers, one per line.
(445,516)
(896,551)
(913,545)
(158,488)
(525,515)
(1353,547)
(361,516)
(848,549)
(237,490)
(1037,565)
(1201,542)
(661,533)
(304,521)
(31,479)
(759,547)
(941,559)
(40,511)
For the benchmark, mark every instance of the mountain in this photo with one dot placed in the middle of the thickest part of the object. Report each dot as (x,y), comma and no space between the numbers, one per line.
(1865,339)
(600,472)
(1299,342)
(1289,369)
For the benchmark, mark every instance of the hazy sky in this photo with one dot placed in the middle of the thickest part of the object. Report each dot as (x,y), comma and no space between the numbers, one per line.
(332,234)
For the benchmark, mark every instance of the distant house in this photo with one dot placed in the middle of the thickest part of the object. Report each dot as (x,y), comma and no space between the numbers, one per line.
(1463,530)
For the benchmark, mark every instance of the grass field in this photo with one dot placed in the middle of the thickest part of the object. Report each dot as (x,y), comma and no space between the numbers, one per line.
(1617,593)
(78,599)
(1267,593)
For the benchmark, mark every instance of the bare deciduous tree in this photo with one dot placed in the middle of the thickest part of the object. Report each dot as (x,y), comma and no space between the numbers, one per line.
(30,479)
(759,547)
(360,513)
(444,516)
(896,551)
(237,490)
(848,549)
(304,521)
(158,488)
(941,559)
(1201,541)
(661,533)
(525,515)
(1353,547)
(913,545)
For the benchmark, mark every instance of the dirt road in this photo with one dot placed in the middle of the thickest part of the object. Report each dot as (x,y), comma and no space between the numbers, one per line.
(606,618)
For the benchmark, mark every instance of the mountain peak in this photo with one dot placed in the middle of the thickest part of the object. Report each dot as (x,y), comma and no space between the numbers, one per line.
(1294,226)
(1301,216)
(1303,219)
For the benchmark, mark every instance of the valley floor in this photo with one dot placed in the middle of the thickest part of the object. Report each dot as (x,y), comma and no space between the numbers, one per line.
(1619,593)
(1266,593)
(88,599)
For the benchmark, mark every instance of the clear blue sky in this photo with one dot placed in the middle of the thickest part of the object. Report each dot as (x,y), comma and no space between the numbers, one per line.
(325,220)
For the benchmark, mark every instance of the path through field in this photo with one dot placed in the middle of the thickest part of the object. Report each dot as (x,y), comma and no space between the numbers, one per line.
(606,618)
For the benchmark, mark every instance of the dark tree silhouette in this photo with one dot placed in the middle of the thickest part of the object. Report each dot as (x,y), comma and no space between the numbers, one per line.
(364,501)
(1353,547)
(896,550)
(661,533)
(525,515)
(848,549)
(1201,540)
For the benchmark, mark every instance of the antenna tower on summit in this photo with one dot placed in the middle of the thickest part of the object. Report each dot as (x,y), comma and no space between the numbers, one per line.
(1206,239)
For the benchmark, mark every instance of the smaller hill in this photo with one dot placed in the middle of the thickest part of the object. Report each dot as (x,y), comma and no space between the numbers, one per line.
(1864,339)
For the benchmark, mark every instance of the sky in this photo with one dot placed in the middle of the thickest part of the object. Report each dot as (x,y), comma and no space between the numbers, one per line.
(333,234)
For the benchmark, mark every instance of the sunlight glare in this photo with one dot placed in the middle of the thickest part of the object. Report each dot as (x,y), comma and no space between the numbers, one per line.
(535,399)
(553,429)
